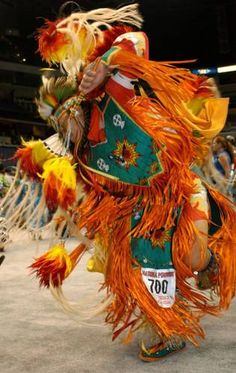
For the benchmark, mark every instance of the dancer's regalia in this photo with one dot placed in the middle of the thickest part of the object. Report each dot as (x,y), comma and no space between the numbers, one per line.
(128,180)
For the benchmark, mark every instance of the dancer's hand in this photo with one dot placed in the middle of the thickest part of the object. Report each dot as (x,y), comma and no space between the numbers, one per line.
(93,77)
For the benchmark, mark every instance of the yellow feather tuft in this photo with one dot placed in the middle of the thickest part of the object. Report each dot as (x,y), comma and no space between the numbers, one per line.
(40,153)
(53,266)
(56,264)
(63,169)
(59,185)
(32,157)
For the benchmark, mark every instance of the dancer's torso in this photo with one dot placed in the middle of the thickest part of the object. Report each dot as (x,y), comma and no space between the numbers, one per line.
(127,152)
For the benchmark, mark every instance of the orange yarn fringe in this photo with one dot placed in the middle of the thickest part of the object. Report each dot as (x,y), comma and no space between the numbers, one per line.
(111,218)
(109,215)
(223,244)
(175,88)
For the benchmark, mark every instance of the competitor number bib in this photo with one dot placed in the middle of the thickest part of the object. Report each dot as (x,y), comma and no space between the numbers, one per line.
(161,284)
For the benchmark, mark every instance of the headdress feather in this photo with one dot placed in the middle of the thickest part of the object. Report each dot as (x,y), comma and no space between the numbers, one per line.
(70,41)
(53,92)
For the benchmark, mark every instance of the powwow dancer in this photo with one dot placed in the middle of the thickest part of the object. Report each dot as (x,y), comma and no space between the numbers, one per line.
(132,130)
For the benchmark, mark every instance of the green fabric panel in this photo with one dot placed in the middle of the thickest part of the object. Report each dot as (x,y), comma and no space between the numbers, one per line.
(129,153)
(152,257)
(106,55)
(148,256)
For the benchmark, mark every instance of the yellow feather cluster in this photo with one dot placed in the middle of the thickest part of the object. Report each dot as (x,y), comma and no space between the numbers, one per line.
(64,171)
(59,254)
(59,182)
(40,153)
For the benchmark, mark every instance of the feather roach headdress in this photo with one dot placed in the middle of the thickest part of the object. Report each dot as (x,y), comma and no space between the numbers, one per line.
(70,41)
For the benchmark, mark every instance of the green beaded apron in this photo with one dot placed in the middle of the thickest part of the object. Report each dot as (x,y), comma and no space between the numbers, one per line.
(130,155)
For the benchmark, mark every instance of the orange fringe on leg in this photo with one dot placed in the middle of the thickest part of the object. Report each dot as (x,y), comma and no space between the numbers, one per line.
(223,245)
(109,215)
(126,283)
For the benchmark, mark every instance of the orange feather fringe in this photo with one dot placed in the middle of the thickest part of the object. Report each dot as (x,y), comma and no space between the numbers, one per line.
(56,194)
(51,43)
(56,264)
(27,163)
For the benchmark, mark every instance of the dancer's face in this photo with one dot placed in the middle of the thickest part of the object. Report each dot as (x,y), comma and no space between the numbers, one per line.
(216,146)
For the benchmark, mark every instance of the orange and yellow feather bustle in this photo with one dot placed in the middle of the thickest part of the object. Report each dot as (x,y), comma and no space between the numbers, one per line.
(59,182)
(32,157)
(56,264)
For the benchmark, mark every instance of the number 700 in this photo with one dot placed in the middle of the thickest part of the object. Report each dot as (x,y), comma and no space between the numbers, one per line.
(158,286)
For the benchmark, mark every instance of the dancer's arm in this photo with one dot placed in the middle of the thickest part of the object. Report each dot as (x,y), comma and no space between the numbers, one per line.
(134,42)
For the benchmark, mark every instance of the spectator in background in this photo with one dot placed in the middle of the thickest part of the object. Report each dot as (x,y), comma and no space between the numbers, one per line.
(4,184)
(10,173)
(211,175)
(223,159)
(232,141)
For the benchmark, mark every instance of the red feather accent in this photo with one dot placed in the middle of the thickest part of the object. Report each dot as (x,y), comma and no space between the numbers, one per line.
(56,265)
(56,194)
(50,41)
(26,162)
(109,36)
(49,190)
